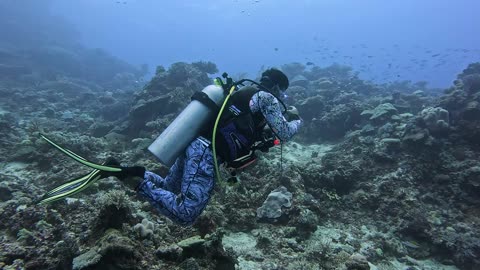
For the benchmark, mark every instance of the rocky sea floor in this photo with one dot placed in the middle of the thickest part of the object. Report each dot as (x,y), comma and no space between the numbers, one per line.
(380,177)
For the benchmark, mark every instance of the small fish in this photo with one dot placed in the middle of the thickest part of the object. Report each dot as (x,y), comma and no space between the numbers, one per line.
(435,55)
(276,49)
(309,64)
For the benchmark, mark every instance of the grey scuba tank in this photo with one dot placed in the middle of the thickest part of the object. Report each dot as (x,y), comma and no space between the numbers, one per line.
(188,124)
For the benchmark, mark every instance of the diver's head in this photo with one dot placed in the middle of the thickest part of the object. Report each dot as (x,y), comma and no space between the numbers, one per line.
(275,81)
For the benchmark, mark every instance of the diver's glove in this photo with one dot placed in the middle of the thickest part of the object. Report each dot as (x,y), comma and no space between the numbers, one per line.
(128,175)
(292,114)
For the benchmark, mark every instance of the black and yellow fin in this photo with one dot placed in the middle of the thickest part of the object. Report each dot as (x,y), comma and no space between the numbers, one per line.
(81,159)
(71,187)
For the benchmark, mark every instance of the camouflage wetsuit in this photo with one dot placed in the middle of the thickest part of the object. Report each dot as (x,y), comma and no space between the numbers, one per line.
(186,190)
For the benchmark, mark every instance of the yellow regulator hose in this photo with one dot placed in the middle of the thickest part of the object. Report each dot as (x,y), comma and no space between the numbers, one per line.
(214,136)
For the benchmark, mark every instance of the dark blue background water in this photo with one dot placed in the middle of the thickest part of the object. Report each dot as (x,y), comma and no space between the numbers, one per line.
(429,40)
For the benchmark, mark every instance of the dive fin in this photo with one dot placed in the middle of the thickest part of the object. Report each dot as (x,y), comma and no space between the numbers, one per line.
(81,159)
(70,188)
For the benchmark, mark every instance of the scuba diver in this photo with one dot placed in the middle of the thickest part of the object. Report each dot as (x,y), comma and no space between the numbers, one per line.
(243,119)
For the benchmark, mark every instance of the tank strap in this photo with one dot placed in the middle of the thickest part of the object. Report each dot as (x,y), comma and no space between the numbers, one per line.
(204,99)
(204,141)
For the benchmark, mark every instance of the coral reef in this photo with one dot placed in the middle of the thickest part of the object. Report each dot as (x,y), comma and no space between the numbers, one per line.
(380,177)
(167,92)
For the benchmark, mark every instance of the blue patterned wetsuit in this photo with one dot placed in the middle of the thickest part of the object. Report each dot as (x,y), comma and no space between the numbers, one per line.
(186,190)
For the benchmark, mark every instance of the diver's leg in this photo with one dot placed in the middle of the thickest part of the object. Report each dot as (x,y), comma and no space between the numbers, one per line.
(197,185)
(174,178)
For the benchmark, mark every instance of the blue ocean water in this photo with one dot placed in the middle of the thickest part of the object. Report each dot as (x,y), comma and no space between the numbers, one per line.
(428,40)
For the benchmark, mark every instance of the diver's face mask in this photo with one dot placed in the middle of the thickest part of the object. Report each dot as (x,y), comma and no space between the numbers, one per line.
(279,92)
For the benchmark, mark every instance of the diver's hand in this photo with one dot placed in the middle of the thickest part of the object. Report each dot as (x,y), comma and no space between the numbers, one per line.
(292,114)
(130,176)
(132,181)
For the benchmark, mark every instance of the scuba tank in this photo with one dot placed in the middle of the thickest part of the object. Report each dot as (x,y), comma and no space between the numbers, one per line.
(187,125)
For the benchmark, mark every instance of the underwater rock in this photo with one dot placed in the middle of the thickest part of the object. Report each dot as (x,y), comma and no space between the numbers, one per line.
(100,129)
(416,136)
(471,184)
(306,224)
(112,251)
(148,109)
(171,253)
(357,262)
(272,207)
(114,210)
(25,153)
(463,104)
(436,119)
(335,123)
(297,93)
(210,252)
(293,69)
(191,242)
(381,113)
(245,246)
(166,93)
(391,144)
(471,83)
(206,66)
(5,193)
(65,88)
(323,83)
(311,107)
(190,264)
(472,111)
(299,80)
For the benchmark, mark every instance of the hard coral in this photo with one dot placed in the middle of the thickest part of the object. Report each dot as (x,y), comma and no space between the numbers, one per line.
(437,119)
(272,207)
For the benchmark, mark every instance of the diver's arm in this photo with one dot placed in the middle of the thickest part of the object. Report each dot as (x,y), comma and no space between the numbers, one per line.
(270,108)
